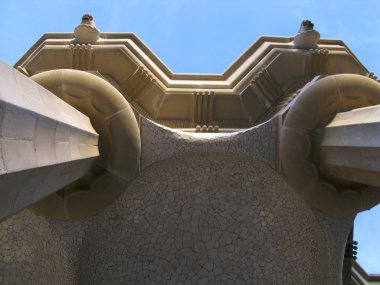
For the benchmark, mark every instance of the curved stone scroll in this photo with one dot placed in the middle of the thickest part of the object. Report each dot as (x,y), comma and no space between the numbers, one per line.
(313,109)
(119,144)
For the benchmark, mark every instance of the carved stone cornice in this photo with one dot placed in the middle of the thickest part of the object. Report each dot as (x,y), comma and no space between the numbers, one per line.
(172,99)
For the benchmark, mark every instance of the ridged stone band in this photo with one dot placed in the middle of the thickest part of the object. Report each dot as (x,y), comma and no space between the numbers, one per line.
(119,143)
(314,108)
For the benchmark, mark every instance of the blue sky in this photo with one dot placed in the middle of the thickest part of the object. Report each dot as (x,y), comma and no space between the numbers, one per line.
(206,36)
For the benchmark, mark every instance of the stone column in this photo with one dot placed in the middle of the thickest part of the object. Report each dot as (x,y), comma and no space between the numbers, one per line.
(45,143)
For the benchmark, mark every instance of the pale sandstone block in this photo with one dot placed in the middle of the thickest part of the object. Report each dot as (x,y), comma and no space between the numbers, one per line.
(45,143)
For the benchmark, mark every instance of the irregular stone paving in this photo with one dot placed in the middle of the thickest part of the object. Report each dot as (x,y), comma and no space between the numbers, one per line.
(160,143)
(194,216)
(206,219)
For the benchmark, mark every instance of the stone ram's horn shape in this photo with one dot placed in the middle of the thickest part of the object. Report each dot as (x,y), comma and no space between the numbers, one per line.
(119,143)
(313,109)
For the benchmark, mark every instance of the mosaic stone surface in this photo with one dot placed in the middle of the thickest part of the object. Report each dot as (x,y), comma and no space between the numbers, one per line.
(30,253)
(199,215)
(205,224)
(335,230)
(160,142)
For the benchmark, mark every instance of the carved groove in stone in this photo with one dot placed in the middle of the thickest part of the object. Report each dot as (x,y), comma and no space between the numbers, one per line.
(316,62)
(266,87)
(82,57)
(143,92)
(136,83)
(203,107)
(260,95)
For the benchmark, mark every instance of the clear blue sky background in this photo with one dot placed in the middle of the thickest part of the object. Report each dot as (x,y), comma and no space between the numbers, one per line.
(206,36)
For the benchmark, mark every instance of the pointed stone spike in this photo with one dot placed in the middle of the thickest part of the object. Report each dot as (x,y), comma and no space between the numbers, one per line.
(45,143)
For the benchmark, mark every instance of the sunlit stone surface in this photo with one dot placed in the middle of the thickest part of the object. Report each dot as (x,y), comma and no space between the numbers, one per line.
(44,143)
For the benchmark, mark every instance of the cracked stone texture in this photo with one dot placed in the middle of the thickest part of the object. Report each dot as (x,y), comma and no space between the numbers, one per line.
(336,230)
(193,216)
(34,251)
(160,142)
(206,218)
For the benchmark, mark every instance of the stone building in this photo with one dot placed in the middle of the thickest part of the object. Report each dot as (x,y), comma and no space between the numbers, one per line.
(122,172)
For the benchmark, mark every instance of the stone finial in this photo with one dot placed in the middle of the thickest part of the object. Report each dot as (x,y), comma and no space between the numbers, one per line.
(86,32)
(306,25)
(307,37)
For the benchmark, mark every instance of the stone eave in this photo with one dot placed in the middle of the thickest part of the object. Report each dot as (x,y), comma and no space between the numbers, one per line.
(143,78)
(227,80)
(361,277)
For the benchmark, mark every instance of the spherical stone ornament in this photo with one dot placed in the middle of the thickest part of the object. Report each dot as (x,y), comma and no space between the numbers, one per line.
(206,218)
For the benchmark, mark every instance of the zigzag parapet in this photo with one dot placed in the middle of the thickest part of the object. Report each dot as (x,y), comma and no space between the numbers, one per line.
(256,85)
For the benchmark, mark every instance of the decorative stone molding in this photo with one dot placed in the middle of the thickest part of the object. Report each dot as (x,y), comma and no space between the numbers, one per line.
(143,93)
(137,82)
(203,107)
(153,90)
(260,95)
(372,75)
(82,57)
(207,129)
(317,62)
